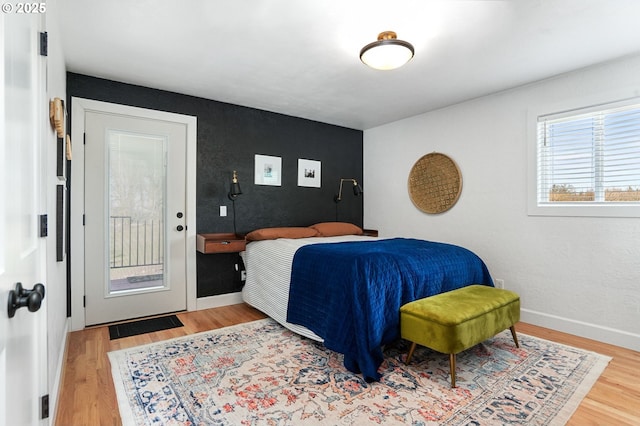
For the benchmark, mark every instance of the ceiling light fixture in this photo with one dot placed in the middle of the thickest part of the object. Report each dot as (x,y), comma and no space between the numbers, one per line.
(387,52)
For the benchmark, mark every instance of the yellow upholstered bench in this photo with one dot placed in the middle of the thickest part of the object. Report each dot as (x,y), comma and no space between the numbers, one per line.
(457,320)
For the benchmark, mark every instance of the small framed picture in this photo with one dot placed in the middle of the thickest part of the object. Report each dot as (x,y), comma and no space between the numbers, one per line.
(309,173)
(268,170)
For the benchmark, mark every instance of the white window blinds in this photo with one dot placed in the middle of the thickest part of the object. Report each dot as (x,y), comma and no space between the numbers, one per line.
(589,156)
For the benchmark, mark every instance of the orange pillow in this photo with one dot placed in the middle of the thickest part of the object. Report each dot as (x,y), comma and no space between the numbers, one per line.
(332,229)
(283,232)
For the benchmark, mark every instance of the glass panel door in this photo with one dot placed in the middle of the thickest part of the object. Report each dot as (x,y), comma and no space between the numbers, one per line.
(135,239)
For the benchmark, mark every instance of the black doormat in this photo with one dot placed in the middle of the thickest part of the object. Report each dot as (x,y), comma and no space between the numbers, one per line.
(143,326)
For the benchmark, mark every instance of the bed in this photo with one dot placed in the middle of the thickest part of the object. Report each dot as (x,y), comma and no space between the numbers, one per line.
(346,290)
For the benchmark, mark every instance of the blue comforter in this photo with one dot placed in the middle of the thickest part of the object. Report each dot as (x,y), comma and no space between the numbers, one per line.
(350,293)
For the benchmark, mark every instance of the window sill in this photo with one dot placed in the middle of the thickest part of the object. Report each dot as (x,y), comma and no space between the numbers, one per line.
(591,210)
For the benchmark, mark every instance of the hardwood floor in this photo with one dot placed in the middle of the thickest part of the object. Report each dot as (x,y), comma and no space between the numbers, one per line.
(87,395)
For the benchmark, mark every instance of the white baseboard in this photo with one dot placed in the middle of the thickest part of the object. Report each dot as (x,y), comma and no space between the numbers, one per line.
(578,328)
(219,300)
(54,392)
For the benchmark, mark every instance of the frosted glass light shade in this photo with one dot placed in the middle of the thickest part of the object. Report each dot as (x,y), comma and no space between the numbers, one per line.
(387,52)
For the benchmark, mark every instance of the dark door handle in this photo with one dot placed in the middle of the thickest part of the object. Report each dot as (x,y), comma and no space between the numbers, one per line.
(21,297)
(180,227)
(179,215)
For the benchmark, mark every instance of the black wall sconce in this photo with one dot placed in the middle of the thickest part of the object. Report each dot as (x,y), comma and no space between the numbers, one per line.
(357,189)
(234,191)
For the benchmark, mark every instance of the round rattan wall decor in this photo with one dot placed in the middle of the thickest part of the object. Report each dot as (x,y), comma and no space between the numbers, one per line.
(435,183)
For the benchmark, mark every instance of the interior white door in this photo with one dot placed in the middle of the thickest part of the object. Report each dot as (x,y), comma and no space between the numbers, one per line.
(23,353)
(135,201)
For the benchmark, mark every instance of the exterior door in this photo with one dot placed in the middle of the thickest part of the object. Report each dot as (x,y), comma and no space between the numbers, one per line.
(135,201)
(23,359)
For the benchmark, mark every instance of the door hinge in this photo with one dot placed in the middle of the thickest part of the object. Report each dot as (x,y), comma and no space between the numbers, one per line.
(44,407)
(84,139)
(44,44)
(44,229)
(82,220)
(84,301)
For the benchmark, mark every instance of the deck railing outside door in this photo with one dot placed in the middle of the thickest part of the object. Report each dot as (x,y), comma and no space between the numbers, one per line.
(135,242)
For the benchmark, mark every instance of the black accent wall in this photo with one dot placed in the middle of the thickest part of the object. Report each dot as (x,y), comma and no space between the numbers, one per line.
(228,137)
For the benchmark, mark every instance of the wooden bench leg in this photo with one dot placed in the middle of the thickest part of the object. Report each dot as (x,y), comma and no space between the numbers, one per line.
(452,369)
(410,354)
(452,363)
(513,334)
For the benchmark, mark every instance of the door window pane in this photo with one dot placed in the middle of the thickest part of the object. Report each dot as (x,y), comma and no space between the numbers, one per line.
(137,188)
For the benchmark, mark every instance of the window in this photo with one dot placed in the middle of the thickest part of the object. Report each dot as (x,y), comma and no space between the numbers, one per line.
(588,160)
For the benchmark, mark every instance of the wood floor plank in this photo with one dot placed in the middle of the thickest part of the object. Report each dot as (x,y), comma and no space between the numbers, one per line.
(87,395)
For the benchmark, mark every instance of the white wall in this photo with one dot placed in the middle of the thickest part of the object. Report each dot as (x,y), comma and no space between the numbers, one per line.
(575,274)
(56,285)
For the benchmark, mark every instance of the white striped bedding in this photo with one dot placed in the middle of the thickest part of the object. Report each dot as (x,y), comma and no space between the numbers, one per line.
(268,266)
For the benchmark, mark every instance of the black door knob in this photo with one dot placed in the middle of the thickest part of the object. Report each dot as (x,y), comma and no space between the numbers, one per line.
(180,215)
(180,227)
(20,297)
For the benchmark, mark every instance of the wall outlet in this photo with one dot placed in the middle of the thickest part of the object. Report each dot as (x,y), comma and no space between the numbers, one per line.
(223,210)
(499,283)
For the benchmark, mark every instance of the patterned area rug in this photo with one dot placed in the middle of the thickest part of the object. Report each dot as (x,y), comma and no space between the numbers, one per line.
(260,373)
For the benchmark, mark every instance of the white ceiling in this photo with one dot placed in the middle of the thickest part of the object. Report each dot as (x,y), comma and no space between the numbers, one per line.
(300,57)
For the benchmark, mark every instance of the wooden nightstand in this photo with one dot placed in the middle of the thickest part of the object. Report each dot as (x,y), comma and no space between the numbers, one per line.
(220,243)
